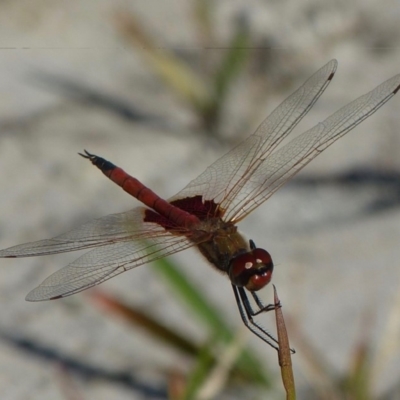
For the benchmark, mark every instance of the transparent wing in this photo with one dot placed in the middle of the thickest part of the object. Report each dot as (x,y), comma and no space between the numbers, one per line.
(121,227)
(224,180)
(125,241)
(285,162)
(250,173)
(103,263)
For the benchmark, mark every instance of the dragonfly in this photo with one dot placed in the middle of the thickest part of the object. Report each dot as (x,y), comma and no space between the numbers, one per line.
(206,212)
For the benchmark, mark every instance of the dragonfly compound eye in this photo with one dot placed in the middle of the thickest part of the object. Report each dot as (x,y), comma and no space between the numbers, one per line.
(252,270)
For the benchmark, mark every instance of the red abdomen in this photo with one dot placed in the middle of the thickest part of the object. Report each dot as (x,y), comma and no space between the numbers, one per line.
(131,185)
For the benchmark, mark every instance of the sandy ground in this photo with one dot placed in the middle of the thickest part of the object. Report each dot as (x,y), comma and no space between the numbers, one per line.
(336,254)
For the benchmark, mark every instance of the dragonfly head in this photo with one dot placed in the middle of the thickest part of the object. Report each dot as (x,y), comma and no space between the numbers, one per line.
(252,270)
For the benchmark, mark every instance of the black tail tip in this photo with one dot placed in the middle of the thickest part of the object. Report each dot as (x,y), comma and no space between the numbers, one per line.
(87,155)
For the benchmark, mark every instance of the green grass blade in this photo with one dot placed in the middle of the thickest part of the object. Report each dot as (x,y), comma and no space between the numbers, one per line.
(248,362)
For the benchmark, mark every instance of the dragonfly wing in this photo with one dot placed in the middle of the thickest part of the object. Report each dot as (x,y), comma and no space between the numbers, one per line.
(121,227)
(278,168)
(224,180)
(103,263)
(122,241)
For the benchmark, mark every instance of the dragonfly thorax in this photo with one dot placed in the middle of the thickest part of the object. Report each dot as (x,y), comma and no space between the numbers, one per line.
(252,270)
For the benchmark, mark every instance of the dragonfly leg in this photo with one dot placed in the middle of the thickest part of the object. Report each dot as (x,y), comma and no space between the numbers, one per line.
(247,313)
(261,306)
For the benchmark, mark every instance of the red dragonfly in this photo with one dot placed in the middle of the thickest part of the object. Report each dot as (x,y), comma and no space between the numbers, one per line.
(205,213)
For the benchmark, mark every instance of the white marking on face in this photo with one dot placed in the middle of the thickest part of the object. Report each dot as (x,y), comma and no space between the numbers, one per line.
(258,261)
(248,265)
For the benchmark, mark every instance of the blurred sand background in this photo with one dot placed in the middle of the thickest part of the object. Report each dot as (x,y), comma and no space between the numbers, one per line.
(335,247)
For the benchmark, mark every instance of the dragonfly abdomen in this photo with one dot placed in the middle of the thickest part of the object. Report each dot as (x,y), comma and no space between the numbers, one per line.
(141,192)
